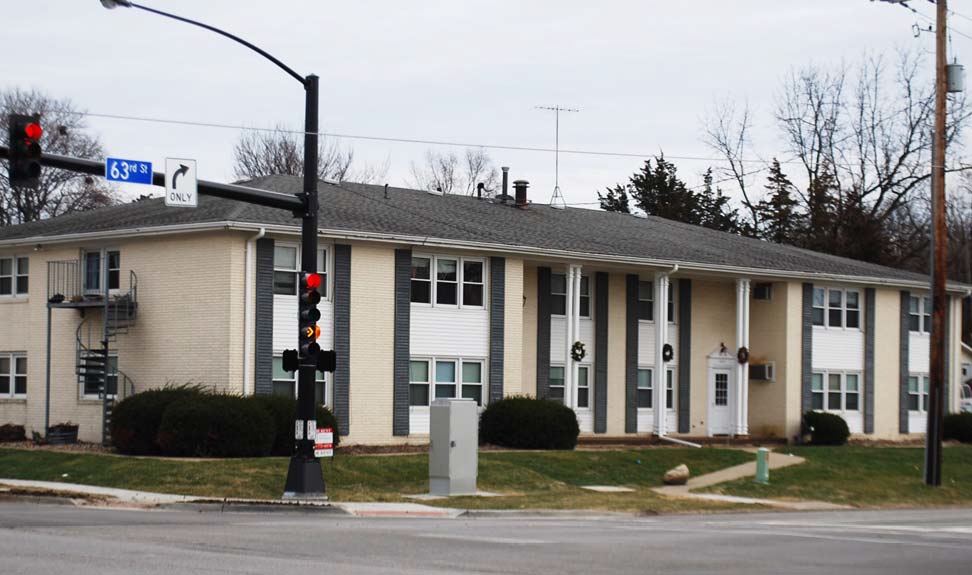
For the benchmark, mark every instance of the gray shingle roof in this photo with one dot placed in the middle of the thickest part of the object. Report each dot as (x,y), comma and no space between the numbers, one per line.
(363,208)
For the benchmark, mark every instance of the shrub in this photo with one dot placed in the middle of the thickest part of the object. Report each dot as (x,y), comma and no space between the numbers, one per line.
(528,423)
(958,426)
(282,410)
(825,428)
(135,420)
(11,432)
(216,426)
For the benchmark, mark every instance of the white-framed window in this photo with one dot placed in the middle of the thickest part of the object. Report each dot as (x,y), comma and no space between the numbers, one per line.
(286,269)
(835,391)
(556,383)
(93,260)
(13,375)
(835,307)
(285,382)
(444,378)
(645,395)
(646,301)
(583,387)
(918,386)
(14,276)
(91,384)
(558,295)
(448,281)
(670,389)
(919,314)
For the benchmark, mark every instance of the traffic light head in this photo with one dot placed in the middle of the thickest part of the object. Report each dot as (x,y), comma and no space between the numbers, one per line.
(309,314)
(24,133)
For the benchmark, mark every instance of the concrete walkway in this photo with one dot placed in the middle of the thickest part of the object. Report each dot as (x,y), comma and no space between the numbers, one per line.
(776,461)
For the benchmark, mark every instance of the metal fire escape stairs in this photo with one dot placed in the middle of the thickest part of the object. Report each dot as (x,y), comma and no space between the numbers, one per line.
(94,336)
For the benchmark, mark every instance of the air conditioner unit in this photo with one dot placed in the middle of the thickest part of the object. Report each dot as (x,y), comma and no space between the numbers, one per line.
(763,371)
(763,291)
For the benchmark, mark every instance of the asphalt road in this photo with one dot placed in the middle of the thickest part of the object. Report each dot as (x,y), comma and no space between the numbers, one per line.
(52,539)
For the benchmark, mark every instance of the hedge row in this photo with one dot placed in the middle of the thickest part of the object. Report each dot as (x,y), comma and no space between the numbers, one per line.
(527,423)
(189,421)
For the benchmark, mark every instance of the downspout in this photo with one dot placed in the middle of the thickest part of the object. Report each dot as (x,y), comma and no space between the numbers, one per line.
(247,304)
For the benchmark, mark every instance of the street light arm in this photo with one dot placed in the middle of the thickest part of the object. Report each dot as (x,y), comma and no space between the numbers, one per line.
(256,49)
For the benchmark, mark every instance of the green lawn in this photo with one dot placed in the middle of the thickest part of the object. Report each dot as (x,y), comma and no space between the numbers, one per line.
(534,480)
(864,477)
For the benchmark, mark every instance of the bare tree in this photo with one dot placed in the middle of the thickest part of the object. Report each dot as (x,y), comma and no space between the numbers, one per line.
(281,151)
(727,132)
(60,191)
(449,174)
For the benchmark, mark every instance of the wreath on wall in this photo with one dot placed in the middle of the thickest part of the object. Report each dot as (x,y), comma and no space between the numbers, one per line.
(743,354)
(668,352)
(577,351)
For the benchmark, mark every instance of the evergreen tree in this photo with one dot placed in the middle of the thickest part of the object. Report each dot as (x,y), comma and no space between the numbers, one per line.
(714,209)
(615,200)
(778,210)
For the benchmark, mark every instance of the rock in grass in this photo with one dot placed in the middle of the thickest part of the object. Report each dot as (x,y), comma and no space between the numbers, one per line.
(676,475)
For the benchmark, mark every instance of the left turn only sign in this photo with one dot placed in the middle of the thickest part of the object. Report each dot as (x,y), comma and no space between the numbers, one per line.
(180,183)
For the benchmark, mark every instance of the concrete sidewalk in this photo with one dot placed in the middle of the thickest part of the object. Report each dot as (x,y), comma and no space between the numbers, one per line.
(776,461)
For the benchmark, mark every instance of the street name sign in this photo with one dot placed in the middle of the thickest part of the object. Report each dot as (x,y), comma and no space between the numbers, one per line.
(128,171)
(180,183)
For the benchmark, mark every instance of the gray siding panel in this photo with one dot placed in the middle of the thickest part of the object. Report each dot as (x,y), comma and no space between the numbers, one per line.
(631,355)
(497,326)
(543,331)
(869,360)
(403,271)
(600,351)
(684,354)
(903,367)
(807,351)
(342,336)
(263,334)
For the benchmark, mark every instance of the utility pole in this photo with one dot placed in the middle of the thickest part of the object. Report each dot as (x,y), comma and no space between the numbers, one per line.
(556,193)
(936,396)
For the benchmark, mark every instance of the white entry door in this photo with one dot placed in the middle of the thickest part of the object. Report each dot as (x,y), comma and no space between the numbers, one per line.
(720,401)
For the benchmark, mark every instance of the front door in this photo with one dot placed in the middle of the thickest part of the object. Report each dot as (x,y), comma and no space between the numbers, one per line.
(720,416)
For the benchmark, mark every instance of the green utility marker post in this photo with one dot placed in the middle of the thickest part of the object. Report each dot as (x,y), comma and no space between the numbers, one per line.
(762,466)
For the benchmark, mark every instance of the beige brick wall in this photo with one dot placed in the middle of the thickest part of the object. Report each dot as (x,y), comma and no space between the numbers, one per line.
(768,342)
(372,343)
(713,322)
(617,336)
(793,372)
(887,338)
(513,320)
(529,356)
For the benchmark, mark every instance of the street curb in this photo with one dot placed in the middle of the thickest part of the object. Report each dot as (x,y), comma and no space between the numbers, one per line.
(230,506)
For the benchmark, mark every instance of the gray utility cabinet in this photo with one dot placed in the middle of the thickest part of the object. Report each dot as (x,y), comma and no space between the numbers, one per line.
(453,447)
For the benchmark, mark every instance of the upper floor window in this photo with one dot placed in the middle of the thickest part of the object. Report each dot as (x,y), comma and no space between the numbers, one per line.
(448,281)
(646,301)
(558,295)
(14,274)
(919,314)
(286,270)
(834,307)
(93,272)
(13,375)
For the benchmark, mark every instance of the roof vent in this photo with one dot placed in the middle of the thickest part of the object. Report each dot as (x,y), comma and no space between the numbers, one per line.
(435,192)
(641,215)
(520,191)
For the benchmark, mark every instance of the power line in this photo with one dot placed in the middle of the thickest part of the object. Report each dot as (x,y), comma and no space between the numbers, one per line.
(408,140)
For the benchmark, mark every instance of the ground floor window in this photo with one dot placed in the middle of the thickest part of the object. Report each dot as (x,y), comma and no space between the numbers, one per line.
(444,378)
(583,387)
(918,385)
(645,397)
(556,385)
(13,375)
(285,382)
(835,391)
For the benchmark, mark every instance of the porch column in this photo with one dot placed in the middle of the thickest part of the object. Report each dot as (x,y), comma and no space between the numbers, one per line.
(661,338)
(741,407)
(568,330)
(574,333)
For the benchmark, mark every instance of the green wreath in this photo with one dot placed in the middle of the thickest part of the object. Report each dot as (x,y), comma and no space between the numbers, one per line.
(577,351)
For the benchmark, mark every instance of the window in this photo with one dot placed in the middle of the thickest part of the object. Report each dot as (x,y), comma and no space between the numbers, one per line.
(721,388)
(114,270)
(646,300)
(92,271)
(918,393)
(421,280)
(446,281)
(558,295)
(430,379)
(285,383)
(644,388)
(556,383)
(671,302)
(841,393)
(836,308)
(670,389)
(13,375)
(919,318)
(456,282)
(286,267)
(14,275)
(583,387)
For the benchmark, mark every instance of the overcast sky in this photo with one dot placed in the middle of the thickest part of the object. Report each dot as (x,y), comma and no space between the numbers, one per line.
(643,73)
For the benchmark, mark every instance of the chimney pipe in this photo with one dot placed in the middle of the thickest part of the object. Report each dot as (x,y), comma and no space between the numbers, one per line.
(479,189)
(520,190)
(506,182)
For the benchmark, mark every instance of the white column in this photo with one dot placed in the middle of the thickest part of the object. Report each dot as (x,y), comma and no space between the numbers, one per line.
(661,338)
(568,331)
(574,334)
(741,400)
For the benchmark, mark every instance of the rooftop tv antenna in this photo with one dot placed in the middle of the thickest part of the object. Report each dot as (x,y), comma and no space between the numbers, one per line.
(557,199)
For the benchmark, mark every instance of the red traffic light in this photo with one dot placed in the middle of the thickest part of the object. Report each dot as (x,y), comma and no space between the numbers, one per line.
(312,281)
(33,131)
